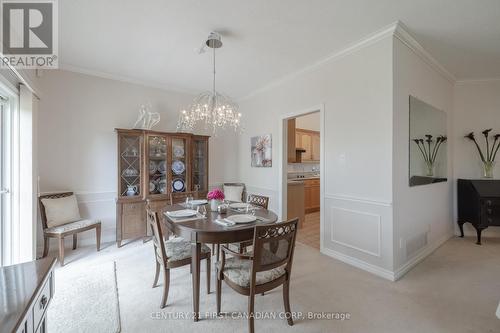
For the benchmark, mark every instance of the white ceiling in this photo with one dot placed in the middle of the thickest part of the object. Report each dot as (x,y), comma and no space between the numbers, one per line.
(154,41)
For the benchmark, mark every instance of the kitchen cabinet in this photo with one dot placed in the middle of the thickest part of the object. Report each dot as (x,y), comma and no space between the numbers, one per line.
(310,141)
(295,201)
(311,195)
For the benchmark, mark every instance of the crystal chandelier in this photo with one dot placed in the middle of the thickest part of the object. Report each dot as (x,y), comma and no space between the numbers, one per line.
(212,108)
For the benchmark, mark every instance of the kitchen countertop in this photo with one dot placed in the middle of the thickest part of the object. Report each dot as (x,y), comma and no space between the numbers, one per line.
(305,178)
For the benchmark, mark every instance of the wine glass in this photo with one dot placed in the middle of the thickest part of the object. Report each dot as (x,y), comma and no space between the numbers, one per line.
(202,210)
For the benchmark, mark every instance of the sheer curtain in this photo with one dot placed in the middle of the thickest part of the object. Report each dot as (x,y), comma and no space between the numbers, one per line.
(18,175)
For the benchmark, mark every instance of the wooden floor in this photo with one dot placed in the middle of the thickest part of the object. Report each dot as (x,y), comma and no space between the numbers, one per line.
(309,233)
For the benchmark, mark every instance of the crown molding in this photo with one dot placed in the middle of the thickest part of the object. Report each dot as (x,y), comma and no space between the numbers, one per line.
(125,79)
(352,48)
(478,81)
(401,33)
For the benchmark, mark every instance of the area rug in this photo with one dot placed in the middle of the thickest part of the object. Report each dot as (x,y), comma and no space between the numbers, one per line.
(85,300)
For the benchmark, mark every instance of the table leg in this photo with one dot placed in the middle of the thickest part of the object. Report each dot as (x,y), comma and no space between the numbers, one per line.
(195,264)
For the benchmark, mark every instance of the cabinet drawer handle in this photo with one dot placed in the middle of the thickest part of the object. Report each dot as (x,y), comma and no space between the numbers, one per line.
(43,302)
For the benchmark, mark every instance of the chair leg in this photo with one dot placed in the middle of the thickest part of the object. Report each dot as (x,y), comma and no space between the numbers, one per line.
(157,274)
(218,291)
(208,274)
(286,301)
(46,244)
(61,251)
(251,301)
(75,241)
(98,237)
(218,251)
(166,286)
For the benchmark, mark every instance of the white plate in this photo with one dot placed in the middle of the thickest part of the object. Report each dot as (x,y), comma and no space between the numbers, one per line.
(152,167)
(241,218)
(182,213)
(179,151)
(198,202)
(178,167)
(162,167)
(152,186)
(162,185)
(239,205)
(178,185)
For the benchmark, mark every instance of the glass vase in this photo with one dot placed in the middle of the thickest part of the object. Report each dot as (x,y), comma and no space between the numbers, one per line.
(429,169)
(488,168)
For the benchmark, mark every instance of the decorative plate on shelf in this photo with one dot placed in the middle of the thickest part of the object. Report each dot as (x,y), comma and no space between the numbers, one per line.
(178,185)
(152,186)
(179,151)
(162,167)
(162,186)
(178,167)
(152,167)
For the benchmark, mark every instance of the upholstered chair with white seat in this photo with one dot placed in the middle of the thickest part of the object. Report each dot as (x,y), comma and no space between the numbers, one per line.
(234,192)
(61,218)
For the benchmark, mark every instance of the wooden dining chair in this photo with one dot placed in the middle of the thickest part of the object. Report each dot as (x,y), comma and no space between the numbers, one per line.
(266,268)
(256,200)
(172,253)
(61,231)
(180,197)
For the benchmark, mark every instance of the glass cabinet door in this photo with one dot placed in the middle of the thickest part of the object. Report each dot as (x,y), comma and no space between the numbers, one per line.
(179,166)
(129,165)
(156,164)
(200,164)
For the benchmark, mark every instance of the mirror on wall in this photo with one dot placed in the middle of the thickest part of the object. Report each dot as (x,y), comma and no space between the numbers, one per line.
(428,144)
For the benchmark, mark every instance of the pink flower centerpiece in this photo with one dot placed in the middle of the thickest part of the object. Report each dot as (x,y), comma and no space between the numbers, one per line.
(215,196)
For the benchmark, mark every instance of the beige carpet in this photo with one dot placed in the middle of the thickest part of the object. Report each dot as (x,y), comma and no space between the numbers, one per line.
(85,301)
(456,289)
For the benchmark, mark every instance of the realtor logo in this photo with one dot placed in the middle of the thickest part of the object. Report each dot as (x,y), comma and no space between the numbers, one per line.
(29,33)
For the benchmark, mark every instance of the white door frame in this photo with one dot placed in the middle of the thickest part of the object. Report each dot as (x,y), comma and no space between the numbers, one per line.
(283,163)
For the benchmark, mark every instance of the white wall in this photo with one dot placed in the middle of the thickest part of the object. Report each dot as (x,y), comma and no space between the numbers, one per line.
(426,208)
(477,107)
(356,90)
(309,121)
(77,142)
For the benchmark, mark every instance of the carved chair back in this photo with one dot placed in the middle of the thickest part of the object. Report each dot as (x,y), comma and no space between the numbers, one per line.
(258,200)
(273,246)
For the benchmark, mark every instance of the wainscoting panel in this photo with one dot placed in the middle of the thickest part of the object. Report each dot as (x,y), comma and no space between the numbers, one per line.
(358,231)
(344,234)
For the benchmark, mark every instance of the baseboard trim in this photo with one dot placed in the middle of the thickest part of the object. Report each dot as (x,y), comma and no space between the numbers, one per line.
(376,270)
(399,273)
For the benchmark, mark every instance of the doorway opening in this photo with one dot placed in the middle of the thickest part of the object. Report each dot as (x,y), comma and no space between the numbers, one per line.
(302,177)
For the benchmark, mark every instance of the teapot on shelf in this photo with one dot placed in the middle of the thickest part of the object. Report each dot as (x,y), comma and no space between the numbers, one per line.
(131,190)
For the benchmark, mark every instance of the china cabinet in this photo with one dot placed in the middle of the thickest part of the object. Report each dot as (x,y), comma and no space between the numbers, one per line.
(151,165)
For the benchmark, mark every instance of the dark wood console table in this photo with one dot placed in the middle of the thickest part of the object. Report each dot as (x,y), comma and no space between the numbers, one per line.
(26,291)
(479,204)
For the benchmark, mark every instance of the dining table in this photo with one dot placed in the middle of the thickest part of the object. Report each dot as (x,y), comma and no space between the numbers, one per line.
(206,230)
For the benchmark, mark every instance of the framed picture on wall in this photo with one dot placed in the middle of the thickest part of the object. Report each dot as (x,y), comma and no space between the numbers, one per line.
(261,151)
